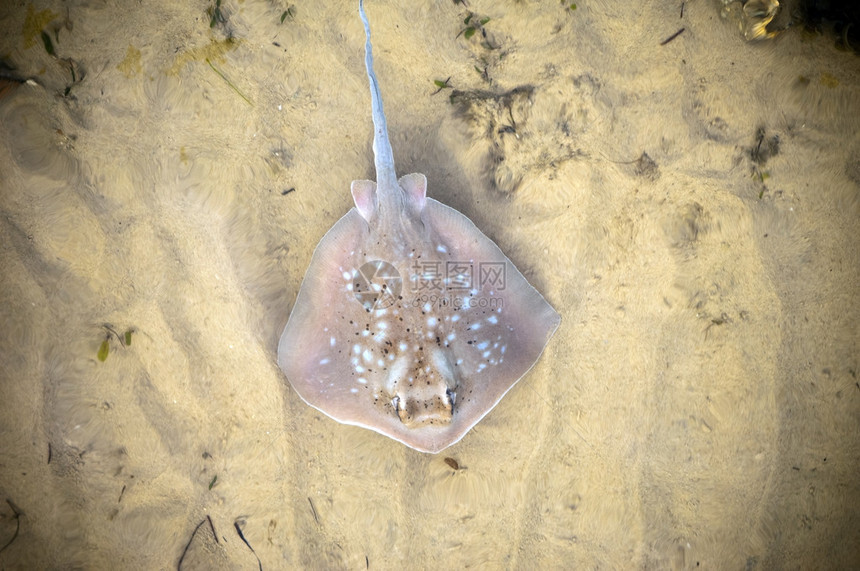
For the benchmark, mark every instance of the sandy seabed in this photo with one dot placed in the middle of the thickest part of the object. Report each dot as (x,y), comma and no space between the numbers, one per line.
(692,210)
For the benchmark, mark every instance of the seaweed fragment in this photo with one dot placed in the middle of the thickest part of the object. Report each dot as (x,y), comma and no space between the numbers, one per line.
(230,83)
(672,37)
(124,340)
(187,545)
(216,16)
(212,527)
(314,510)
(237,526)
(474,24)
(104,350)
(49,45)
(441,85)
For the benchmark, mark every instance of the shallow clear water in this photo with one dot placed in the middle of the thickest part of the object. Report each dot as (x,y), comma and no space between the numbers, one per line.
(691,210)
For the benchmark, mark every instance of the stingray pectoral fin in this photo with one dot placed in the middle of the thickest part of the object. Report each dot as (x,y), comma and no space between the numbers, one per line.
(503,323)
(306,352)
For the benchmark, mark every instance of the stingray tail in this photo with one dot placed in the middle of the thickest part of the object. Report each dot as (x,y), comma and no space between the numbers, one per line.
(386,176)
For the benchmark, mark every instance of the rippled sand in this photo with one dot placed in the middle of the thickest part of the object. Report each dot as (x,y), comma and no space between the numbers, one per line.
(692,210)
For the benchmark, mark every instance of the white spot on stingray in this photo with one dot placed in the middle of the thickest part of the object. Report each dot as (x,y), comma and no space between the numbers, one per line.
(459,361)
(349,287)
(332,341)
(451,336)
(441,248)
(380,363)
(432,321)
(367,356)
(346,276)
(443,366)
(455,318)
(356,349)
(486,354)
(353,390)
(492,319)
(359,369)
(325,361)
(473,292)
(382,325)
(365,333)
(362,380)
(502,350)
(402,346)
(427,307)
(475,326)
(391,356)
(483,345)
(481,367)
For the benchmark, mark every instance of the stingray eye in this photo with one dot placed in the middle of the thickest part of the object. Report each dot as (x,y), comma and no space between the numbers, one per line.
(452,397)
(395,402)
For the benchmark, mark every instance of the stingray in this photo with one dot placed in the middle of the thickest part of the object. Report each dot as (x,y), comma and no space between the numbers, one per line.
(409,321)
